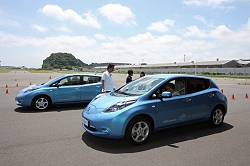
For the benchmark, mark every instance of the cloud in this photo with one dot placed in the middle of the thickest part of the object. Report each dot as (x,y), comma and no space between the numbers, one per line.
(39,28)
(161,26)
(64,29)
(221,32)
(100,37)
(4,21)
(48,43)
(215,42)
(200,18)
(118,14)
(70,15)
(194,31)
(212,3)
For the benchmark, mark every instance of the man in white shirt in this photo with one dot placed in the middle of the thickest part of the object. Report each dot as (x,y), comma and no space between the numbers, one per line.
(107,80)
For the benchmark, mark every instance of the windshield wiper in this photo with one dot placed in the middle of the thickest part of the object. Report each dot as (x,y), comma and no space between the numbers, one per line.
(124,93)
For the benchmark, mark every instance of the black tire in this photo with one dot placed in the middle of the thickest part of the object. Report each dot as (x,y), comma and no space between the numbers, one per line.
(138,130)
(217,117)
(41,103)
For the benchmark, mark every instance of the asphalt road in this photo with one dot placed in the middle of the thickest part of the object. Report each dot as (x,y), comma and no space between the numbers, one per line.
(56,137)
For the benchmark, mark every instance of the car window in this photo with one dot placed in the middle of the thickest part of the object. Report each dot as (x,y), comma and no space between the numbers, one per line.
(177,85)
(198,84)
(156,94)
(68,81)
(75,80)
(91,79)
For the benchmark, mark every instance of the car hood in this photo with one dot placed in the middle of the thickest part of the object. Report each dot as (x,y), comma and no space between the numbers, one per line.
(107,100)
(31,87)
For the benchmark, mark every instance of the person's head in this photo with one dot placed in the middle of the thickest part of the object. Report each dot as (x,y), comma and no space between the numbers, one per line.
(142,74)
(130,72)
(170,87)
(111,68)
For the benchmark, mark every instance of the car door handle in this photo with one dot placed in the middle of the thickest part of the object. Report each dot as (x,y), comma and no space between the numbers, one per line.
(77,88)
(187,100)
(98,86)
(211,95)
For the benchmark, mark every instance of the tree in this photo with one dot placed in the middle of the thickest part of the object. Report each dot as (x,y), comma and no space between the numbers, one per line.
(62,61)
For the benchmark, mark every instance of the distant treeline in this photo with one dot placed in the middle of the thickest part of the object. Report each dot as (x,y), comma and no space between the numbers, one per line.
(68,61)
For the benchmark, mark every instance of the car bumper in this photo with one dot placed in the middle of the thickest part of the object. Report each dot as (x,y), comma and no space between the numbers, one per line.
(111,128)
(22,100)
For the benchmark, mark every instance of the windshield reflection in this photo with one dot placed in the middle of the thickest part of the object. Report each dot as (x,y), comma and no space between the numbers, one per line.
(139,86)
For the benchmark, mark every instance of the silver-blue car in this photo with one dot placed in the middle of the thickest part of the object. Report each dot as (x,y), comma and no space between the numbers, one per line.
(145,105)
(65,89)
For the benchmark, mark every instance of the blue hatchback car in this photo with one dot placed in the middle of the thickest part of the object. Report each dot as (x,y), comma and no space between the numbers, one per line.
(65,89)
(146,105)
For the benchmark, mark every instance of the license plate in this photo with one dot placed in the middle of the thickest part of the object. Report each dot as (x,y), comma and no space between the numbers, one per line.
(85,122)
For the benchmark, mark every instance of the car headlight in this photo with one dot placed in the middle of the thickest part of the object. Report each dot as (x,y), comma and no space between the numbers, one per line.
(29,90)
(119,105)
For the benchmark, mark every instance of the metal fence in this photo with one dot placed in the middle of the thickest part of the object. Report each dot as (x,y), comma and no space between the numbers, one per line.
(196,71)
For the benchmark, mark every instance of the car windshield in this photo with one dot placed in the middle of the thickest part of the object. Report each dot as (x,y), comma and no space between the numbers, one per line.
(139,86)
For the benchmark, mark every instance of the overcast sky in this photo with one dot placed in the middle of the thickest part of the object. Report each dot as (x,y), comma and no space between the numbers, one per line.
(131,31)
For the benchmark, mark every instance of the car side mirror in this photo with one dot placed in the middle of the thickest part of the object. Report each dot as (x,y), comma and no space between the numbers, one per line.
(166,95)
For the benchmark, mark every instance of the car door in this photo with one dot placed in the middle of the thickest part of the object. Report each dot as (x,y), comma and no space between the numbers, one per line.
(202,98)
(175,110)
(91,87)
(69,91)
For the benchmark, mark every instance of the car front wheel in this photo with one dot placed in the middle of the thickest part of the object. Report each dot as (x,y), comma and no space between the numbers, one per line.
(138,131)
(41,103)
(217,117)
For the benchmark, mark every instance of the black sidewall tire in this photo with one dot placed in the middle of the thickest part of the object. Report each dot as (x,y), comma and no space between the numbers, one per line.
(39,97)
(211,119)
(131,124)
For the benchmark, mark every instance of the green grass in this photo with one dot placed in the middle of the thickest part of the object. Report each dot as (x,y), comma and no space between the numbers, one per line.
(5,71)
(40,71)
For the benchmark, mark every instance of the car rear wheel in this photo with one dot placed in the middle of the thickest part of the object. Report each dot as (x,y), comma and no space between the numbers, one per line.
(41,103)
(217,117)
(138,131)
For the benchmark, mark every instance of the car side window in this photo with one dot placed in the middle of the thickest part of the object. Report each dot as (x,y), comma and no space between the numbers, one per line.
(66,81)
(176,87)
(75,80)
(156,94)
(71,80)
(91,79)
(198,84)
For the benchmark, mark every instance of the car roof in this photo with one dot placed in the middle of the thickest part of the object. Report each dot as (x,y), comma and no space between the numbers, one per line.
(66,75)
(82,74)
(169,76)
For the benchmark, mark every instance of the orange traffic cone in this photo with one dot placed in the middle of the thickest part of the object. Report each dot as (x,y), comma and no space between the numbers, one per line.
(233,97)
(7,91)
(246,96)
(30,83)
(222,90)
(16,85)
(49,77)
(6,86)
